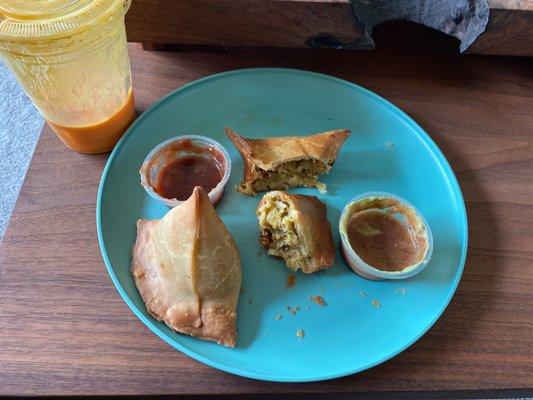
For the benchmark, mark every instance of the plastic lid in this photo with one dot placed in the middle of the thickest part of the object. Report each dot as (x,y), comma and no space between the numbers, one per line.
(31,19)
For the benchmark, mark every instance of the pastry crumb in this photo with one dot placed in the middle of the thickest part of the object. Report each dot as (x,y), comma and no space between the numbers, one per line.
(293,310)
(308,308)
(319,300)
(322,188)
(401,290)
(390,144)
(242,290)
(300,333)
(376,303)
(266,333)
(362,293)
(249,301)
(278,317)
(291,281)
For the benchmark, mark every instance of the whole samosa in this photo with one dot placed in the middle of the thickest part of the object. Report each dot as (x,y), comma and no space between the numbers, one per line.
(188,270)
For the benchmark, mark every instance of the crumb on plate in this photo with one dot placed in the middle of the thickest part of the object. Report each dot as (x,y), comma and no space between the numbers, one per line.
(291,281)
(300,333)
(293,310)
(376,303)
(278,317)
(319,300)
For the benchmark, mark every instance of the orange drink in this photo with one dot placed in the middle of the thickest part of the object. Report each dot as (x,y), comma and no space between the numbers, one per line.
(71,58)
(101,136)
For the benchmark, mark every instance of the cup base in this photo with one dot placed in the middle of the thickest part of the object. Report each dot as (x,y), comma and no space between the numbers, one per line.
(101,137)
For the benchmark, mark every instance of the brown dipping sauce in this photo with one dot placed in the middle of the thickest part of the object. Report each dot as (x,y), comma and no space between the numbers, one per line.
(381,240)
(197,166)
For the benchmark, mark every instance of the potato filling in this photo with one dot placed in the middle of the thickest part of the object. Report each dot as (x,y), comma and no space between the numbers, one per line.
(278,233)
(290,174)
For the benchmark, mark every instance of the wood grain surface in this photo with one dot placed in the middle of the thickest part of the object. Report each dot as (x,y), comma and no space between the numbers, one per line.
(64,330)
(280,23)
(301,23)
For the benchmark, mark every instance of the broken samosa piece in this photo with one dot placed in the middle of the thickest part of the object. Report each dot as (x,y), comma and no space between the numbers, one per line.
(295,228)
(285,162)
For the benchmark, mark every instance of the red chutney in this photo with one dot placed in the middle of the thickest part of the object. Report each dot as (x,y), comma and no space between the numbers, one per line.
(192,166)
(381,240)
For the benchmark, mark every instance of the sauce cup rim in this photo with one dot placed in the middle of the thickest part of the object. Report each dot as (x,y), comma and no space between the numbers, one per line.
(355,262)
(214,194)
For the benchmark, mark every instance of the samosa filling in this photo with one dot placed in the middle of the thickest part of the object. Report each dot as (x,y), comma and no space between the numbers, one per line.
(278,233)
(290,174)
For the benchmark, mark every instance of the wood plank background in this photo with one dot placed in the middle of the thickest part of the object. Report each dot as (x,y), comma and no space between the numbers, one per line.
(296,23)
(65,330)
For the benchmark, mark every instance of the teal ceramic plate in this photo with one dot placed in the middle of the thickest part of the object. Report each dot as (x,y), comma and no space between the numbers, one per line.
(364,322)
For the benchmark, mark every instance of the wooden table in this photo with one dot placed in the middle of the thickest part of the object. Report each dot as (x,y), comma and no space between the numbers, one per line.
(64,330)
(310,23)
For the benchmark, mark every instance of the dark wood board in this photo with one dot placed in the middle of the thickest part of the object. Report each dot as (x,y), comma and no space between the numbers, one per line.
(298,23)
(64,330)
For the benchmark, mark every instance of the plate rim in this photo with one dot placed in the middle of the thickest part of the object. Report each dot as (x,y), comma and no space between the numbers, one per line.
(428,141)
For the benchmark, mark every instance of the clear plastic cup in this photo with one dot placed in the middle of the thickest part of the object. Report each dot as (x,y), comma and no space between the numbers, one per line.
(71,58)
(403,211)
(167,151)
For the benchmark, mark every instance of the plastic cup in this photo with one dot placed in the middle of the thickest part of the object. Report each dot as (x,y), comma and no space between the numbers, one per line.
(71,58)
(399,208)
(164,153)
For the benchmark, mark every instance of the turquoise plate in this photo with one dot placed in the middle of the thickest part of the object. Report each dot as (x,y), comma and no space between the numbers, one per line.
(364,323)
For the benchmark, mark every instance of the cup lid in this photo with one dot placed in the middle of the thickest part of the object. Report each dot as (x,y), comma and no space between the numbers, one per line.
(32,19)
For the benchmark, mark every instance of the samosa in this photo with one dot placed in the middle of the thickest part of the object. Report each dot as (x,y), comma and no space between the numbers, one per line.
(188,270)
